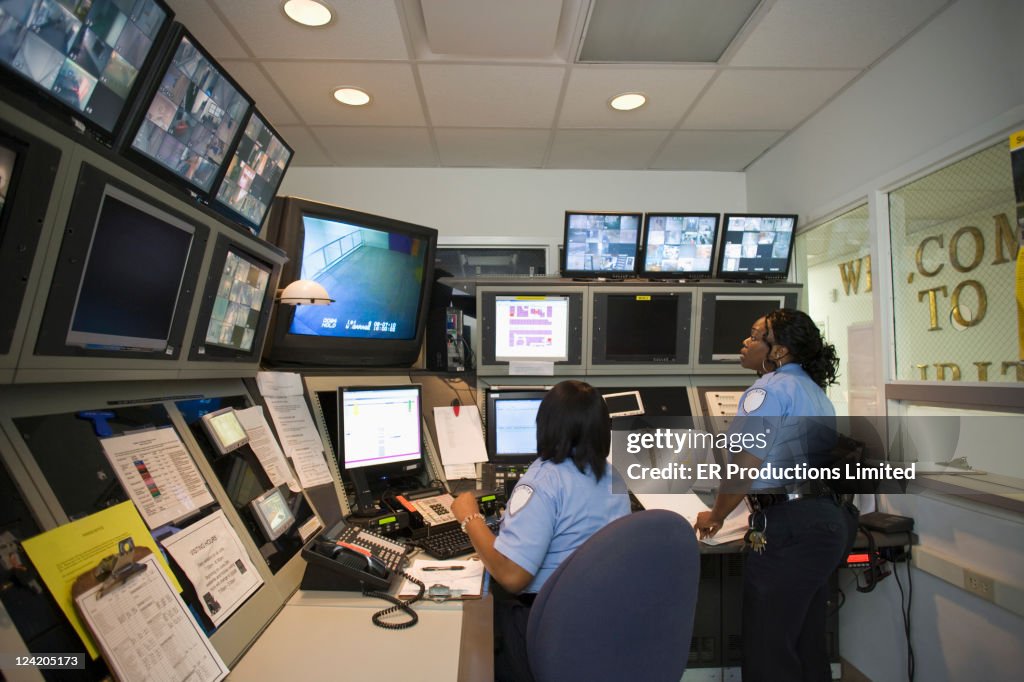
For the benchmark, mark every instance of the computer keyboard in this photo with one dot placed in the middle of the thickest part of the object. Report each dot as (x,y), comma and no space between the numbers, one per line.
(447,542)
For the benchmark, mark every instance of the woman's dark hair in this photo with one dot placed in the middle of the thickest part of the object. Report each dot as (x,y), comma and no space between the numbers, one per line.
(795,330)
(573,423)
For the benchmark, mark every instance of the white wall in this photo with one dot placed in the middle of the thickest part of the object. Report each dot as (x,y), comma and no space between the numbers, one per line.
(954,85)
(511,203)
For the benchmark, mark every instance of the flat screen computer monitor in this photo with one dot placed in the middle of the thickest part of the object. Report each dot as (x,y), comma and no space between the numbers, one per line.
(649,328)
(272,513)
(86,57)
(512,425)
(132,281)
(600,244)
(381,438)
(192,118)
(377,270)
(237,302)
(531,328)
(254,174)
(726,318)
(679,245)
(756,246)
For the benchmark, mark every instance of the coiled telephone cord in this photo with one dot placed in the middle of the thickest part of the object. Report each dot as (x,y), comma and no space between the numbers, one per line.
(399,605)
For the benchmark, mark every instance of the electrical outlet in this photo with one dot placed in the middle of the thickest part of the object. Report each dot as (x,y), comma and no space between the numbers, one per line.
(980,585)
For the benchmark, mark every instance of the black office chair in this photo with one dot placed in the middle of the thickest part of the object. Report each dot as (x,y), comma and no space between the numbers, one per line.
(621,607)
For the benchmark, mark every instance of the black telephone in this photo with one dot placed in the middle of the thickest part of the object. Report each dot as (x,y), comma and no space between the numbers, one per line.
(360,558)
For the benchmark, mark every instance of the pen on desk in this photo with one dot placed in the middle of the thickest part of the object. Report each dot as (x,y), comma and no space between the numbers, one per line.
(443,568)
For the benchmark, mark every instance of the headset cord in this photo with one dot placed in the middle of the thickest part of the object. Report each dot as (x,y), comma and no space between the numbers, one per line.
(399,605)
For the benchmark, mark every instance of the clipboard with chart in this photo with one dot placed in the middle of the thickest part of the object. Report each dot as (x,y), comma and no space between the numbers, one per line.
(143,628)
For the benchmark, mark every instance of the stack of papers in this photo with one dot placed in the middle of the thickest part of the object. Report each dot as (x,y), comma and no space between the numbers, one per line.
(689,505)
(463,578)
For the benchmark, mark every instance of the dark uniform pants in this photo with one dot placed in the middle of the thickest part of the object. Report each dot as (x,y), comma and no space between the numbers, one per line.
(785,590)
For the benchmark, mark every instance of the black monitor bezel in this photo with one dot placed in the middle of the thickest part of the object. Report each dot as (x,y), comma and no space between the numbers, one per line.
(746,276)
(60,303)
(606,274)
(52,104)
(385,473)
(21,220)
(493,396)
(202,351)
(225,210)
(678,274)
(175,35)
(285,348)
(601,324)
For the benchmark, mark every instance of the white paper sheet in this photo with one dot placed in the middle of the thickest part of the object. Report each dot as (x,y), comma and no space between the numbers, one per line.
(212,556)
(464,577)
(689,505)
(460,438)
(265,447)
(147,632)
(300,440)
(157,472)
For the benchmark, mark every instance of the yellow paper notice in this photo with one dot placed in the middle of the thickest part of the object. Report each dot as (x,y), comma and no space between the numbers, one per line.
(64,553)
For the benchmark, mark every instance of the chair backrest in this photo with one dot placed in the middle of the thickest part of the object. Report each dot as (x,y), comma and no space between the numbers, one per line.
(621,607)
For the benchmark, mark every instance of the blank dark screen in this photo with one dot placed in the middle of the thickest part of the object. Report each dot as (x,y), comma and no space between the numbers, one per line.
(733,320)
(133,275)
(641,328)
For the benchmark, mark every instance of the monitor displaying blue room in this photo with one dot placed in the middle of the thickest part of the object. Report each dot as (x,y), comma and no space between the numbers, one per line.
(192,119)
(756,246)
(254,174)
(679,245)
(86,55)
(132,281)
(512,425)
(378,271)
(600,244)
(381,439)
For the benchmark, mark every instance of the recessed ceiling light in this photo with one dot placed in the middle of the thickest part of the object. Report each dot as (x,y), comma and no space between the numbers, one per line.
(351,96)
(308,12)
(627,101)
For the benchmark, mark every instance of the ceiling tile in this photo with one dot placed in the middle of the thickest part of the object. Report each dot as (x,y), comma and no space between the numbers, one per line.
(604,149)
(831,33)
(308,151)
(199,18)
(309,87)
(714,150)
(491,148)
(362,29)
(670,92)
(758,99)
(492,28)
(368,146)
(255,82)
(491,96)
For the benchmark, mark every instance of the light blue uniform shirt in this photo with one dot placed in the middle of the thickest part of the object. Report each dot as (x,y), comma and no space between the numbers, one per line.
(553,510)
(794,416)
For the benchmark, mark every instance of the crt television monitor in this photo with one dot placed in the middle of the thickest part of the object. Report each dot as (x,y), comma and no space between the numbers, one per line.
(679,245)
(254,173)
(600,244)
(512,425)
(236,304)
(273,514)
(756,246)
(191,117)
(648,328)
(88,57)
(28,168)
(380,437)
(379,272)
(726,318)
(126,274)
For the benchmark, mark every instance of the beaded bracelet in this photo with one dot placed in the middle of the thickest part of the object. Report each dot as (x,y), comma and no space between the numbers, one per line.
(465,521)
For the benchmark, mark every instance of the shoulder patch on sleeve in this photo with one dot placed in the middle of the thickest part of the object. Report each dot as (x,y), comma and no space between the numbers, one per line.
(754,399)
(520,496)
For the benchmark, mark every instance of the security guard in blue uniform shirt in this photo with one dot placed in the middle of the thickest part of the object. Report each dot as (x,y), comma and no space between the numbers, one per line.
(799,531)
